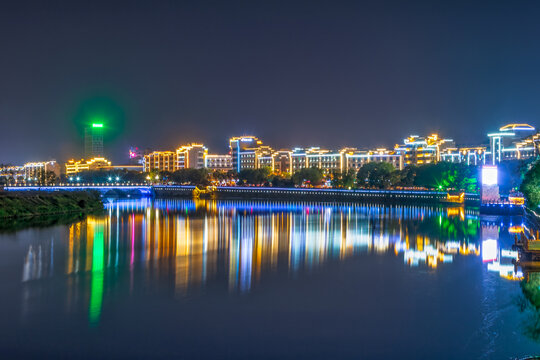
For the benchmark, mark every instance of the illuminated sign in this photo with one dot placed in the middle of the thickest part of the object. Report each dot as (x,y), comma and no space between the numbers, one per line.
(97,125)
(489,175)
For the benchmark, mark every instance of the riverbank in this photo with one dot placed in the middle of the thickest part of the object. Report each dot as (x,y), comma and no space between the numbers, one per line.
(29,204)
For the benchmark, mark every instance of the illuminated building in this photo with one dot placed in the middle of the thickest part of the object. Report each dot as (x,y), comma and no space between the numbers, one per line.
(39,170)
(355,159)
(191,156)
(316,157)
(73,166)
(512,142)
(160,161)
(218,162)
(470,155)
(248,152)
(282,161)
(343,160)
(93,141)
(423,150)
(12,174)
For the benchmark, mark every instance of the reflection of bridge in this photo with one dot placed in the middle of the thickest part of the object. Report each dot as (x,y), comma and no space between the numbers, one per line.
(108,190)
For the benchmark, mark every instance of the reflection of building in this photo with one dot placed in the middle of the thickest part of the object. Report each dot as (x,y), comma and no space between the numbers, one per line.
(186,244)
(93,141)
(73,166)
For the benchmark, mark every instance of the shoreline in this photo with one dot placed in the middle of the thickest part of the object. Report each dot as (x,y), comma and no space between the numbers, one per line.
(18,206)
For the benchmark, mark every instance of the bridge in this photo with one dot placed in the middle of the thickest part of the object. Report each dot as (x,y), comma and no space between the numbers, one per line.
(268,193)
(104,189)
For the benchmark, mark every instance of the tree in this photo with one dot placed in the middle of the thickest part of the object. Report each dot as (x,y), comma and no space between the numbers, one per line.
(199,177)
(282,180)
(446,175)
(311,176)
(377,174)
(530,187)
(346,180)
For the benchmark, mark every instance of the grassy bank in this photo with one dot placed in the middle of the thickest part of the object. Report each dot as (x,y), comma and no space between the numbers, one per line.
(27,204)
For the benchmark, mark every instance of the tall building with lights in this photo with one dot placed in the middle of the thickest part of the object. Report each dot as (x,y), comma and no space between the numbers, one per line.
(93,141)
(512,142)
(248,152)
(191,156)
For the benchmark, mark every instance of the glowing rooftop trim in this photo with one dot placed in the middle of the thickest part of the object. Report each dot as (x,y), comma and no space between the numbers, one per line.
(502,134)
(511,127)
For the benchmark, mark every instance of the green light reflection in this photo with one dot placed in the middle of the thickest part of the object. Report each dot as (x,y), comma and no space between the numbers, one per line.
(96,292)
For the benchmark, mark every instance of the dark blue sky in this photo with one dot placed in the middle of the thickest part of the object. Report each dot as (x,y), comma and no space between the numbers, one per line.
(294,73)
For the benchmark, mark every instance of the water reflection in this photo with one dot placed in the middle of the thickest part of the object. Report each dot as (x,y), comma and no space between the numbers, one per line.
(186,244)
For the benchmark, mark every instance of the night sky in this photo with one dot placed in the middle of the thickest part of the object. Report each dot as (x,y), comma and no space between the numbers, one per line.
(351,73)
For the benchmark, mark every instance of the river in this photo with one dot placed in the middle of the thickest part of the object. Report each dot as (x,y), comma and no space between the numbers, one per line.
(253,280)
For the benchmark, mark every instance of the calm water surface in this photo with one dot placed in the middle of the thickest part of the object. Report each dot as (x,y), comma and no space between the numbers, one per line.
(228,280)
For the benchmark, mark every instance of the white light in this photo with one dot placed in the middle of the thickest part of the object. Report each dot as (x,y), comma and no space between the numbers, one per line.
(489,250)
(489,175)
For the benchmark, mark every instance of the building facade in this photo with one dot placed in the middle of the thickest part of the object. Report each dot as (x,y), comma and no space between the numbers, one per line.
(356,159)
(160,161)
(38,170)
(469,155)
(512,142)
(248,152)
(191,156)
(76,166)
(418,150)
(218,162)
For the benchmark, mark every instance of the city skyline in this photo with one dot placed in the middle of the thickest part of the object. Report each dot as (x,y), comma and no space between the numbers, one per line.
(302,72)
